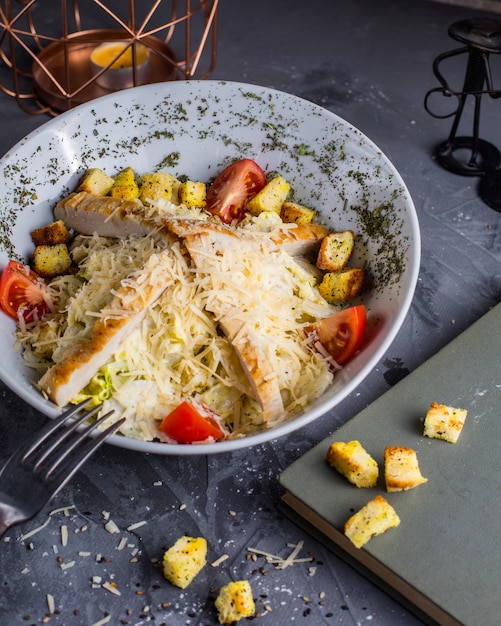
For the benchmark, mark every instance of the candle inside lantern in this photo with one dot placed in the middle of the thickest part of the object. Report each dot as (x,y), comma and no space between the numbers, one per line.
(119,75)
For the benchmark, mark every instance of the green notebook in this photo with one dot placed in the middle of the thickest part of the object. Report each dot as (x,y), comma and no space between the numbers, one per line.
(444,559)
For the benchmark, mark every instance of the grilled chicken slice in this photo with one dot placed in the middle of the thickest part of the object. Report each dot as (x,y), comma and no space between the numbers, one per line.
(115,217)
(106,216)
(207,251)
(64,380)
(300,241)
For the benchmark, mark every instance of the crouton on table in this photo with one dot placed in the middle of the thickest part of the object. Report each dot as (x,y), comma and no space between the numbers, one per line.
(444,422)
(235,602)
(375,518)
(184,560)
(352,461)
(401,469)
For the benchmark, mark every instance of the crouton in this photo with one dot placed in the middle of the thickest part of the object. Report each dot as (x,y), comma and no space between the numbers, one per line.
(293,213)
(270,198)
(96,182)
(52,234)
(375,518)
(341,285)
(235,602)
(125,185)
(184,560)
(46,340)
(353,462)
(401,469)
(335,250)
(444,422)
(192,194)
(158,186)
(51,261)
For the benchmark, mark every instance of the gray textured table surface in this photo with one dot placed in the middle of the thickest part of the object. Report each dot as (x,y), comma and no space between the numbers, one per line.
(370,62)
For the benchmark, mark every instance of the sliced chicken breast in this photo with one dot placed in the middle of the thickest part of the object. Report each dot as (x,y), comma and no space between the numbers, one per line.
(64,380)
(205,249)
(106,216)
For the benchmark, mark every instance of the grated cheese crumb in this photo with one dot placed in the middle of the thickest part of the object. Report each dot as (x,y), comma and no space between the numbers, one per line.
(67,565)
(111,527)
(64,509)
(50,603)
(64,535)
(220,560)
(35,530)
(122,544)
(111,588)
(280,562)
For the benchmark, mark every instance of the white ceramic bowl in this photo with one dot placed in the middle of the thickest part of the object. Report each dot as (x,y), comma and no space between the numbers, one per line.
(202,125)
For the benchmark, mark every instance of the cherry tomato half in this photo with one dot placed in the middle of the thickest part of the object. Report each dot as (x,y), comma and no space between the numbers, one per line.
(22,292)
(341,334)
(233,188)
(186,424)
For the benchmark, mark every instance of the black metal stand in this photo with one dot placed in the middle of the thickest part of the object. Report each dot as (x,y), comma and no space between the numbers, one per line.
(471,155)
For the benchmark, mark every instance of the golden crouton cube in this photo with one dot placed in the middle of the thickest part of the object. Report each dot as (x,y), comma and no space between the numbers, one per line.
(335,250)
(52,234)
(235,602)
(271,197)
(192,194)
(375,518)
(51,261)
(293,213)
(341,285)
(158,186)
(125,185)
(184,560)
(401,469)
(96,182)
(444,422)
(45,340)
(353,462)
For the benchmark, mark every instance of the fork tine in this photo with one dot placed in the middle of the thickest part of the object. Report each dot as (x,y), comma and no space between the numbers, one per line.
(66,465)
(59,439)
(64,452)
(46,431)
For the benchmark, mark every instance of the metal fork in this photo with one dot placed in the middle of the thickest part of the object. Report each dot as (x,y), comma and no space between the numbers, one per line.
(44,464)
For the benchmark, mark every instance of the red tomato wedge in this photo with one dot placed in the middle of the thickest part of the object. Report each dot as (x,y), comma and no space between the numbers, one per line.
(186,424)
(22,292)
(233,188)
(342,333)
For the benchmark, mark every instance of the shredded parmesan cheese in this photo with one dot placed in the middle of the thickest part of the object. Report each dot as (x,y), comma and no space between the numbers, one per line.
(34,531)
(243,284)
(280,562)
(50,603)
(220,560)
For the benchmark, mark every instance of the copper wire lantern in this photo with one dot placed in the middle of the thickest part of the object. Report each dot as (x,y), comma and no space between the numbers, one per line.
(150,41)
